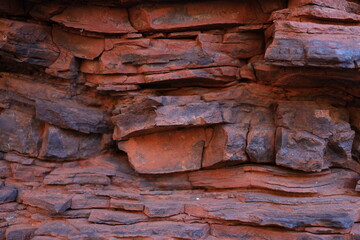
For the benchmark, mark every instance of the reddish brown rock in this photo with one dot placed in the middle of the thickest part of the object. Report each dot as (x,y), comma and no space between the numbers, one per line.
(227,144)
(20,132)
(310,45)
(80,46)
(20,232)
(163,209)
(95,19)
(59,144)
(52,202)
(76,117)
(16,45)
(181,150)
(261,143)
(272,178)
(195,15)
(116,217)
(161,55)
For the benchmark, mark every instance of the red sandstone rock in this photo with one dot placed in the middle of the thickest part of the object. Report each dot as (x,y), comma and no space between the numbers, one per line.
(195,15)
(95,19)
(181,150)
(116,217)
(80,46)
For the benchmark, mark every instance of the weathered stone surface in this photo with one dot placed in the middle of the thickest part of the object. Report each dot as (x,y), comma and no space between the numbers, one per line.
(312,147)
(59,144)
(8,194)
(227,144)
(310,46)
(86,175)
(11,157)
(162,113)
(159,55)
(52,202)
(89,201)
(192,15)
(163,209)
(300,150)
(261,144)
(19,131)
(271,178)
(95,19)
(80,46)
(233,119)
(181,150)
(243,232)
(18,45)
(116,217)
(20,232)
(79,118)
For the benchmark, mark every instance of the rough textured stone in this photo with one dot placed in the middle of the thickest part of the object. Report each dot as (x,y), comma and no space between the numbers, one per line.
(20,132)
(230,119)
(62,144)
(310,46)
(115,217)
(79,118)
(161,17)
(227,144)
(95,19)
(80,46)
(20,232)
(181,151)
(52,202)
(17,45)
(8,194)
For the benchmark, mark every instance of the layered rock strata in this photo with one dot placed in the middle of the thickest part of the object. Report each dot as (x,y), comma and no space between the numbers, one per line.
(169,119)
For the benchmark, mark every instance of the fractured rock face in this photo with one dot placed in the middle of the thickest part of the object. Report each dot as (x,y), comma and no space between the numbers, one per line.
(312,147)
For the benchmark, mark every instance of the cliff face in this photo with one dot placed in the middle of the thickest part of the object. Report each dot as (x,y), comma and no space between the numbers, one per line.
(133,119)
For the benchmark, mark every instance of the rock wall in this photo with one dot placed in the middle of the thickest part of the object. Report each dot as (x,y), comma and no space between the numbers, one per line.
(133,119)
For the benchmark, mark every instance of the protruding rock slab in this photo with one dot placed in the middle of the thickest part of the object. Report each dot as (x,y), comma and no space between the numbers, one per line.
(76,117)
(8,194)
(116,217)
(194,15)
(313,44)
(166,152)
(52,202)
(95,19)
(80,46)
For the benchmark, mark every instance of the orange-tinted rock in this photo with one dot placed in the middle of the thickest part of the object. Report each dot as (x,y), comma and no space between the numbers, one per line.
(181,150)
(80,46)
(195,15)
(307,44)
(16,44)
(95,19)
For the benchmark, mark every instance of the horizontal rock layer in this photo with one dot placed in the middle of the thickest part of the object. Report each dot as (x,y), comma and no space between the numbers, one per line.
(170,119)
